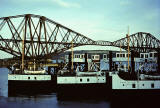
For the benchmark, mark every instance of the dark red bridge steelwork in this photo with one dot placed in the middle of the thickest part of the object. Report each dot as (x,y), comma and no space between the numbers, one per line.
(44,37)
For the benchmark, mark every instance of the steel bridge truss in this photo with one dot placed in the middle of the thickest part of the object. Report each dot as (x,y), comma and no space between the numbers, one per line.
(44,37)
(139,42)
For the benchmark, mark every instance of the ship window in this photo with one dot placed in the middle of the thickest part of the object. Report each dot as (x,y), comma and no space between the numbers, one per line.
(28,77)
(123,55)
(80,80)
(123,84)
(35,78)
(152,85)
(88,80)
(120,55)
(127,55)
(142,84)
(151,55)
(117,55)
(82,56)
(133,85)
(142,56)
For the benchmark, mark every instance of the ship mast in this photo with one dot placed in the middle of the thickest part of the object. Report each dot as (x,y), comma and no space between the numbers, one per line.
(23,51)
(72,54)
(120,52)
(120,48)
(128,40)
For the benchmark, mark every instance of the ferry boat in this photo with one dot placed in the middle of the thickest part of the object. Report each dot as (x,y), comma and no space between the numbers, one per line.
(140,86)
(135,75)
(31,81)
(74,83)
(84,79)
(144,81)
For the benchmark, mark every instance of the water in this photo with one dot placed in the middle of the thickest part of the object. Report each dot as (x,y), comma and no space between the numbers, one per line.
(51,100)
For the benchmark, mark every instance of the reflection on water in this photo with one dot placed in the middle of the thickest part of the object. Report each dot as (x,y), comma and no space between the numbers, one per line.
(52,100)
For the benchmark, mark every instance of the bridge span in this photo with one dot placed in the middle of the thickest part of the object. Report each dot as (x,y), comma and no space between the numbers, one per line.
(44,37)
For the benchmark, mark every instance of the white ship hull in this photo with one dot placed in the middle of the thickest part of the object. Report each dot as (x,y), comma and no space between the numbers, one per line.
(29,84)
(86,86)
(81,79)
(134,87)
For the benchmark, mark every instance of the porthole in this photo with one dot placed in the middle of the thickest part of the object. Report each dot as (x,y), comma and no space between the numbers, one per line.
(133,85)
(28,77)
(152,85)
(88,80)
(80,80)
(123,84)
(35,78)
(142,84)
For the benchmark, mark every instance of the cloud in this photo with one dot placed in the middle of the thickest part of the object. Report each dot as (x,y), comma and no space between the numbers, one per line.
(65,4)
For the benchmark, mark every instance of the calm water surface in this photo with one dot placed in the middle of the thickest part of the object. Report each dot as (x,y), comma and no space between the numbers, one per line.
(51,100)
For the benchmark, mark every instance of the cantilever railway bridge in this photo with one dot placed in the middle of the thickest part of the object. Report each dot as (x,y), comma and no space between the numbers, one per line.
(44,37)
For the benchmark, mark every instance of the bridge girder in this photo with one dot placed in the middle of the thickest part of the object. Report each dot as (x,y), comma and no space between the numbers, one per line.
(139,42)
(44,37)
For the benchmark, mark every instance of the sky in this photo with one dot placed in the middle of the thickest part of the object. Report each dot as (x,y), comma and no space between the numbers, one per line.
(106,20)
